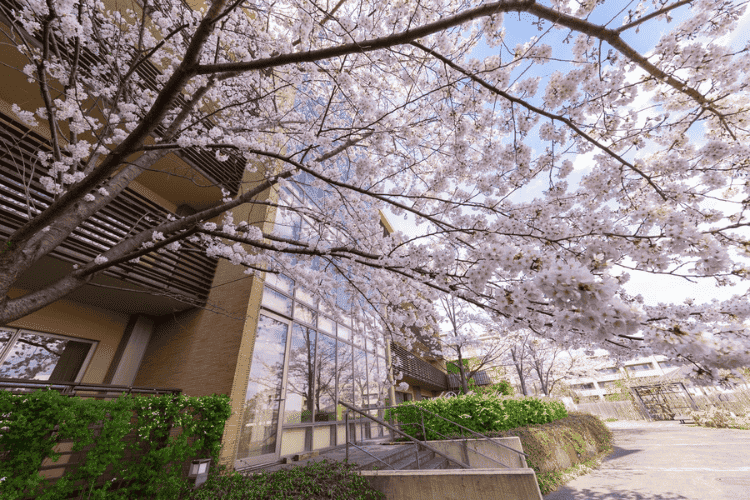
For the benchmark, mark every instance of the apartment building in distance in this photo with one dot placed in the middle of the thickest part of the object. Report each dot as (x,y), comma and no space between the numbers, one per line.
(653,369)
(185,320)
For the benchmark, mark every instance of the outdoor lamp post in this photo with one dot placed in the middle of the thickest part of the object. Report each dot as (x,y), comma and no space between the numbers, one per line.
(199,471)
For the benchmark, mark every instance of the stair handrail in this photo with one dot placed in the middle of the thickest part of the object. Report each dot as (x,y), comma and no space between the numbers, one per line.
(398,431)
(467,448)
(473,432)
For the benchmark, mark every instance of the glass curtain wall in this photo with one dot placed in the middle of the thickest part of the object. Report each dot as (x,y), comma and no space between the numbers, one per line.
(327,362)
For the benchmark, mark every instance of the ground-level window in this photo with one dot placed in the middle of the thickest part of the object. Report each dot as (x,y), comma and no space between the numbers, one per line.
(41,356)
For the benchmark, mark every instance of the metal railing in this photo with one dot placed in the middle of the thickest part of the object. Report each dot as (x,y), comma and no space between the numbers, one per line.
(101,391)
(186,274)
(397,431)
(422,442)
(480,435)
(417,369)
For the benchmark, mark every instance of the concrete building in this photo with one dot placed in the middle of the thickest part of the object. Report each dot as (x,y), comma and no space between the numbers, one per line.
(652,369)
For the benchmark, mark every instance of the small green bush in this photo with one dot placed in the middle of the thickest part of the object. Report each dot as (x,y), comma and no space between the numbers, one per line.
(481,413)
(322,480)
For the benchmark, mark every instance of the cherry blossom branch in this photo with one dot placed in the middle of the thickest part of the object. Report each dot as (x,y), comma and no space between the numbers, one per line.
(182,74)
(652,15)
(368,45)
(612,37)
(541,112)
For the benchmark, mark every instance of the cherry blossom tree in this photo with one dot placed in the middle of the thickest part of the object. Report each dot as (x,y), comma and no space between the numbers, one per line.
(547,170)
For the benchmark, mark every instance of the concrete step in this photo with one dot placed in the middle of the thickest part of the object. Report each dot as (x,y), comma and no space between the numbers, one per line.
(391,458)
(435,463)
(410,462)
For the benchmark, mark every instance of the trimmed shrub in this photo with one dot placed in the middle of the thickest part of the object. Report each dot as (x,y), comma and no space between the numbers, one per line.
(482,413)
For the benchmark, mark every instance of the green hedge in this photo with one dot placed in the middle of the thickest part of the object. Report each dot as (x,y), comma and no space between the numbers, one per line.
(481,413)
(157,473)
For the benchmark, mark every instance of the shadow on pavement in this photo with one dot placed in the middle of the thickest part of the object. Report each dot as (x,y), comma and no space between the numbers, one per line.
(619,453)
(565,493)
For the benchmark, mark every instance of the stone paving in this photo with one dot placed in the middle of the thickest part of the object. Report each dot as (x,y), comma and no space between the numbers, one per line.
(667,461)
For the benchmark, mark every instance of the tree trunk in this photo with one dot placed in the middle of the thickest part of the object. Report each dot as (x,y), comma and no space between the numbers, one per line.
(518,362)
(462,373)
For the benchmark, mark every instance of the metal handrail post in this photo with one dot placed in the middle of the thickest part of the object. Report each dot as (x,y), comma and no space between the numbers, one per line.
(346,427)
(416,447)
(421,417)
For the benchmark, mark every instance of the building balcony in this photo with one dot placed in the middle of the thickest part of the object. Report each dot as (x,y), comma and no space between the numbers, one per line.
(417,371)
(94,391)
(173,281)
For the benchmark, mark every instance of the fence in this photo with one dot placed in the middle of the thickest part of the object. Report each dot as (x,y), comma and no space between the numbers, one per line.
(737,402)
(621,410)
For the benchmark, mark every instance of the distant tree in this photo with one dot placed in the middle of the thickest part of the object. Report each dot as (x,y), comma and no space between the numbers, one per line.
(469,334)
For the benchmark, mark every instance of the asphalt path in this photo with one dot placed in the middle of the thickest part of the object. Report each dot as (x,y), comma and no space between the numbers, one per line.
(667,461)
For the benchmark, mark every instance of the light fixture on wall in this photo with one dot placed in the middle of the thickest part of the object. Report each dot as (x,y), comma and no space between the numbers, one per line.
(199,471)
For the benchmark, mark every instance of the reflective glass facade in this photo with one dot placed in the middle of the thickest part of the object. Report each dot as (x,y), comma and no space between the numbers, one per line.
(304,364)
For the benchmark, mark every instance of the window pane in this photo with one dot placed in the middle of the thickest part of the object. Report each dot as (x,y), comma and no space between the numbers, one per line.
(261,411)
(299,396)
(360,377)
(381,381)
(5,336)
(325,380)
(326,325)
(280,281)
(304,296)
(344,332)
(304,314)
(371,397)
(370,344)
(381,349)
(344,373)
(324,308)
(277,302)
(39,357)
(358,340)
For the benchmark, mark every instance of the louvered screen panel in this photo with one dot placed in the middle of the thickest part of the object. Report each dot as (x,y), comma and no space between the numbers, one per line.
(187,273)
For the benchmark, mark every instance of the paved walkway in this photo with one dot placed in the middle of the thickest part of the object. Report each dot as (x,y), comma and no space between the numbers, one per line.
(667,461)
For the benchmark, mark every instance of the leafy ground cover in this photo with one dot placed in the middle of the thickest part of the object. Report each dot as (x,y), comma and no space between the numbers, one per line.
(324,480)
